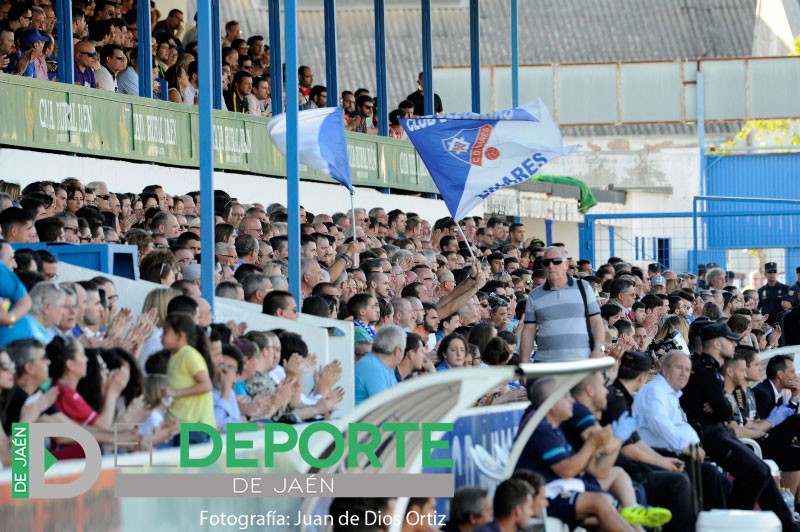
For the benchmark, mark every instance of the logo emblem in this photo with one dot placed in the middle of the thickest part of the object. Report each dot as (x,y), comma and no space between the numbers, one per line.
(471,146)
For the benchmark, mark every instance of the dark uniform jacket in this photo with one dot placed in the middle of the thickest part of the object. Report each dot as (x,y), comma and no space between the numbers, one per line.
(705,388)
(769,300)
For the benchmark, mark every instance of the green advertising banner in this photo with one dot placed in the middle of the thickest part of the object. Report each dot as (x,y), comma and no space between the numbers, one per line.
(59,117)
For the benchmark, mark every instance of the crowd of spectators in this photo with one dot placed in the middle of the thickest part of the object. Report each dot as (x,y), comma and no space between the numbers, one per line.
(419,304)
(105,41)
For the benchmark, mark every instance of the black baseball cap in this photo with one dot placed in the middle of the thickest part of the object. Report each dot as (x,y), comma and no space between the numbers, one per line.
(718,330)
(636,361)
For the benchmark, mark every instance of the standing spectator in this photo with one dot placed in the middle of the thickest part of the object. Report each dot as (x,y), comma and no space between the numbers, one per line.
(417,99)
(306,78)
(558,318)
(770,294)
(232,32)
(189,373)
(85,58)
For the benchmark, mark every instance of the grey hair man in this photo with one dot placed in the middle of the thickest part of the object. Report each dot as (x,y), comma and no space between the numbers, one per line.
(375,372)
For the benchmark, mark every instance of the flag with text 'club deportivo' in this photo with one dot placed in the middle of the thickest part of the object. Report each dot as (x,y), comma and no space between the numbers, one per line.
(320,141)
(470,156)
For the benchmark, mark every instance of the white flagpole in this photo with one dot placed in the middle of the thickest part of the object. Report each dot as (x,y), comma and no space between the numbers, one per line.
(353,221)
(469,246)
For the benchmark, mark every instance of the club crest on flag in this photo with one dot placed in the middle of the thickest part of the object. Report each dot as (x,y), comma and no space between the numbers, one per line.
(471,147)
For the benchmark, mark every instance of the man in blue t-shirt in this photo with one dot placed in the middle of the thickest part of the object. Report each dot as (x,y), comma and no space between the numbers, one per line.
(14,305)
(375,372)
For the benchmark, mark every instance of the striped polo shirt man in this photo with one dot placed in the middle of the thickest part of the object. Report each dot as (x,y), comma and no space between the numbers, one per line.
(560,320)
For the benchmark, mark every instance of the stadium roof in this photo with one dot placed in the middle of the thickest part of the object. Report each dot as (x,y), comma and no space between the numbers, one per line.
(551,31)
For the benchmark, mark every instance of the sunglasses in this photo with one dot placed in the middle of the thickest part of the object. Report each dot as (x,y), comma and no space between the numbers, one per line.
(8,366)
(548,262)
(90,54)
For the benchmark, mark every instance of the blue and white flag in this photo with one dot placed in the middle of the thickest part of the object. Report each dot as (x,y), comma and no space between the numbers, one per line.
(470,156)
(320,141)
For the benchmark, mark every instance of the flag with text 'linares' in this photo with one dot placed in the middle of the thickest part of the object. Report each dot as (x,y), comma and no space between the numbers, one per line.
(470,156)
(320,141)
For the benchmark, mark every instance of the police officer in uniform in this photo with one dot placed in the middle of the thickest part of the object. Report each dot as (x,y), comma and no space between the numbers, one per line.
(662,477)
(709,412)
(770,295)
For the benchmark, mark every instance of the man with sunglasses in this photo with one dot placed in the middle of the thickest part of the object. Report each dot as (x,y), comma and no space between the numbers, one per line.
(112,63)
(362,119)
(770,294)
(561,314)
(85,57)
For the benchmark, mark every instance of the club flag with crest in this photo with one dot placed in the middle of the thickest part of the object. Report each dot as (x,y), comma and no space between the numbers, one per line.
(470,156)
(320,141)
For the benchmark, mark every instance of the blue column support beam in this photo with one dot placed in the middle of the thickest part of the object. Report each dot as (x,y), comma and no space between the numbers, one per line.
(292,158)
(145,56)
(514,55)
(475,54)
(427,57)
(331,55)
(206,44)
(382,93)
(611,250)
(548,232)
(701,139)
(66,56)
(275,60)
(216,35)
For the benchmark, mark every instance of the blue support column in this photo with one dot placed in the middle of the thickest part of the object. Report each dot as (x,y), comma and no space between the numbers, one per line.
(382,94)
(427,57)
(292,159)
(548,232)
(66,66)
(586,236)
(701,130)
(331,56)
(514,55)
(475,54)
(611,250)
(145,55)
(636,247)
(216,39)
(275,61)
(206,44)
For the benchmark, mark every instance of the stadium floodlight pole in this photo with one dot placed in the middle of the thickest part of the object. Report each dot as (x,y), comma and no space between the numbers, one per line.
(144,58)
(514,55)
(66,67)
(205,44)
(427,59)
(292,156)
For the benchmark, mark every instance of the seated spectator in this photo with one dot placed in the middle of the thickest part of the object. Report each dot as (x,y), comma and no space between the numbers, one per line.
(549,453)
(365,311)
(85,59)
(236,97)
(375,372)
(470,509)
(513,506)
(280,304)
(452,352)
(112,63)
(226,408)
(32,63)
